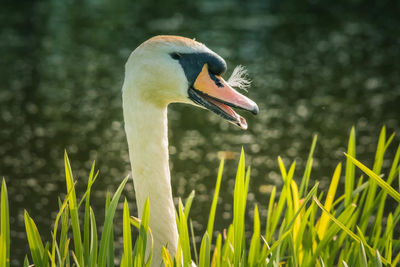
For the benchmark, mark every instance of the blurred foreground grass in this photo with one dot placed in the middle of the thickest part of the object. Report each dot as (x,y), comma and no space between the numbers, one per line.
(304,227)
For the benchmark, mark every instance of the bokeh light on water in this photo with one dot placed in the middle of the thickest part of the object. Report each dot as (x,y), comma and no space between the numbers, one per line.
(316,68)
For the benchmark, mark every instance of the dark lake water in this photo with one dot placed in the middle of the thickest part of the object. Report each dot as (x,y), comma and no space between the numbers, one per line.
(317,68)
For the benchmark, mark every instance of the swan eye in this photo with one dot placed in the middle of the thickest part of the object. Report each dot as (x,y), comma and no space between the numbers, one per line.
(175,55)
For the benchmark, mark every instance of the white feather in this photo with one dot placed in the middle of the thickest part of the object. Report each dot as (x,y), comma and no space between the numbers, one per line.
(239,78)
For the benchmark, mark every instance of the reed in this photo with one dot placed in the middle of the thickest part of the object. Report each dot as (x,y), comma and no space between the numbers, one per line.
(304,226)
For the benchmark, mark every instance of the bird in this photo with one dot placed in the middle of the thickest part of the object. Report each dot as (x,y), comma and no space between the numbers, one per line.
(162,70)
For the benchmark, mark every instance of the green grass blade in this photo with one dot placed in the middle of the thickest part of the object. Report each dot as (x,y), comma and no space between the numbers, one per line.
(127,236)
(204,258)
(34,240)
(395,166)
(385,186)
(45,257)
(255,240)
(86,229)
(63,243)
(216,259)
(350,170)
(73,208)
(184,236)
(289,200)
(108,224)
(307,171)
(54,242)
(193,242)
(4,227)
(167,258)
(363,261)
(275,216)
(211,217)
(238,209)
(344,228)
(381,200)
(110,245)
(227,249)
(143,230)
(93,240)
(324,221)
(396,260)
(188,203)
(369,202)
(75,259)
(377,260)
(26,262)
(268,225)
(388,237)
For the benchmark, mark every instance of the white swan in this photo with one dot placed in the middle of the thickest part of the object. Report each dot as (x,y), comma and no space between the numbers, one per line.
(162,70)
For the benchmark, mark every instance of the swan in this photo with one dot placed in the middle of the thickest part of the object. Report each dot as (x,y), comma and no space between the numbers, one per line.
(164,70)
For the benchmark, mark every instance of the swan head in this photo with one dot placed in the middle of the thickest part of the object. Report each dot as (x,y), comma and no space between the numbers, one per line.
(167,69)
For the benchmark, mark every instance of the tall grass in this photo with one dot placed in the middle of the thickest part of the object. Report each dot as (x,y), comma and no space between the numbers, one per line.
(303,227)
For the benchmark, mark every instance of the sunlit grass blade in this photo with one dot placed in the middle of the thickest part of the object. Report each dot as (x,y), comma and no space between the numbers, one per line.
(377,260)
(93,240)
(216,259)
(307,171)
(127,236)
(193,242)
(268,225)
(211,217)
(350,170)
(184,236)
(381,199)
(324,245)
(64,241)
(227,249)
(188,203)
(255,240)
(4,227)
(26,262)
(240,195)
(344,228)
(369,202)
(204,257)
(108,224)
(73,209)
(86,229)
(296,206)
(167,258)
(362,256)
(385,186)
(45,258)
(75,259)
(324,220)
(110,245)
(277,211)
(144,232)
(54,242)
(396,260)
(388,237)
(34,240)
(289,200)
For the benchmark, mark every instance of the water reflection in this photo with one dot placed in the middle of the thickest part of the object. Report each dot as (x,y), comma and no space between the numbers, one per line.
(316,68)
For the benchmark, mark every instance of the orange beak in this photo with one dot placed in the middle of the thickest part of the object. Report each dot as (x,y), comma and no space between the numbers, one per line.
(214,93)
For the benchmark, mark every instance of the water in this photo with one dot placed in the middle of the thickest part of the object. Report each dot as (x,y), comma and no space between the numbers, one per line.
(317,68)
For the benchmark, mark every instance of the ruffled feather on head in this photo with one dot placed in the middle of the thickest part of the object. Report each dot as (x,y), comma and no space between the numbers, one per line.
(239,78)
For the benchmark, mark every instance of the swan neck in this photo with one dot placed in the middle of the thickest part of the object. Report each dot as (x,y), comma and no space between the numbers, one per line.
(146,126)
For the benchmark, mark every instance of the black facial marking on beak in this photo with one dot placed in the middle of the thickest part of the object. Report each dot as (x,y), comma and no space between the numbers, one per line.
(192,63)
(216,80)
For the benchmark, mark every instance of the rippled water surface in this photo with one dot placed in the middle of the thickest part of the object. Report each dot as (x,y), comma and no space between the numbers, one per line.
(316,68)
